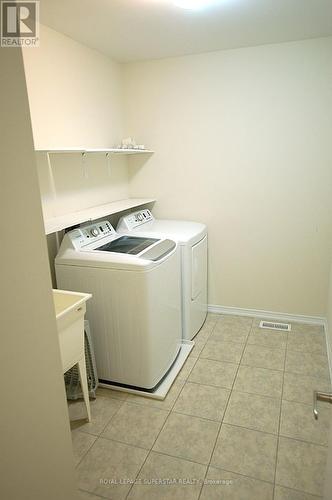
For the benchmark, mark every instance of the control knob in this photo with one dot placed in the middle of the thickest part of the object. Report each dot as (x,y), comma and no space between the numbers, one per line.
(94,231)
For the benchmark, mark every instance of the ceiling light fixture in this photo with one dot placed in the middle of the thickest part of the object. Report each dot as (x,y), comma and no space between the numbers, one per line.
(195,4)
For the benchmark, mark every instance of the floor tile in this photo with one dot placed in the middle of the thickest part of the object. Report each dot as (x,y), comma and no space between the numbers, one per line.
(216,373)
(222,351)
(210,322)
(187,437)
(223,485)
(110,393)
(205,331)
(306,328)
(281,493)
(301,466)
(165,404)
(197,349)
(259,381)
(164,468)
(212,317)
(102,410)
(105,467)
(300,387)
(253,411)
(186,369)
(230,333)
(233,320)
(82,442)
(246,452)
(305,363)
(298,422)
(268,338)
(202,401)
(307,342)
(137,425)
(263,357)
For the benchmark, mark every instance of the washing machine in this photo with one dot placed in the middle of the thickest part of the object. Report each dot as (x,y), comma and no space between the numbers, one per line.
(192,238)
(135,310)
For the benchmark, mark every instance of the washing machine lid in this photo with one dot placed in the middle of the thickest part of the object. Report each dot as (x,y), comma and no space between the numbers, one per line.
(132,245)
(104,248)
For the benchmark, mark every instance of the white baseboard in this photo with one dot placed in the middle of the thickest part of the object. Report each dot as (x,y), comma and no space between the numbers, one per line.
(258,313)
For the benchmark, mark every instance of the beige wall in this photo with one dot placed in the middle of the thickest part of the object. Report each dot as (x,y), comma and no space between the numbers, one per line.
(243,143)
(36,459)
(329,317)
(75,96)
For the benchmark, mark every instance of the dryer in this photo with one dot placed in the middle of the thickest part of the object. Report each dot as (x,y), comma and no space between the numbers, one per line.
(135,310)
(192,238)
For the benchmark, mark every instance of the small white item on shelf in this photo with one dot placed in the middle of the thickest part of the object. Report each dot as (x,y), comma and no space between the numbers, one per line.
(130,143)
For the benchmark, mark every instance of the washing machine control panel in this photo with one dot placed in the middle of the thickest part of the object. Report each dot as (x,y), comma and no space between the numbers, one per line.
(135,219)
(83,236)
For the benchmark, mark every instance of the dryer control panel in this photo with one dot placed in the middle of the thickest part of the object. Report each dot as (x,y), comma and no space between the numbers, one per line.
(135,219)
(85,235)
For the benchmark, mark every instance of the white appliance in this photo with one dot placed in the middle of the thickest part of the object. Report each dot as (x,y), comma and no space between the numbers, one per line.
(192,238)
(135,310)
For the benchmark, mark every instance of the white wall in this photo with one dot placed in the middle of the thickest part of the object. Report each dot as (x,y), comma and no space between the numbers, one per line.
(36,459)
(243,143)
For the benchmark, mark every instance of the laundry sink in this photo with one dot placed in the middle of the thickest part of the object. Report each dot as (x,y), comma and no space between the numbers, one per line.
(69,310)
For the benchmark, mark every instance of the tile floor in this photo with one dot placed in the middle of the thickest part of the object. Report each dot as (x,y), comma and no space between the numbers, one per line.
(237,423)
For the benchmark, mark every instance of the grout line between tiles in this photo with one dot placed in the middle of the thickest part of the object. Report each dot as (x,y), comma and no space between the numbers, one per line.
(226,406)
(127,444)
(301,441)
(257,366)
(180,457)
(242,475)
(97,436)
(198,416)
(87,491)
(279,424)
(84,454)
(299,491)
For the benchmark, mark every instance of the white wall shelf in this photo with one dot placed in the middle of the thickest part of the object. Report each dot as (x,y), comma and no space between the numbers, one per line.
(54,224)
(96,150)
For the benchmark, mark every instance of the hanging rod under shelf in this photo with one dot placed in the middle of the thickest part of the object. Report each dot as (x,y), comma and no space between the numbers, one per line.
(96,150)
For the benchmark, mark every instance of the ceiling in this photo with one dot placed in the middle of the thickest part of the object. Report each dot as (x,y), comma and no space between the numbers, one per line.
(130,30)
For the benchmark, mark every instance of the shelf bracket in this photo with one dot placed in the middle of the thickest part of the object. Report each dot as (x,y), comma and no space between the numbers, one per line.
(84,165)
(52,181)
(108,160)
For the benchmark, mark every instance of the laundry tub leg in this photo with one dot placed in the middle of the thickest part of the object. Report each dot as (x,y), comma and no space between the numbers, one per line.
(84,385)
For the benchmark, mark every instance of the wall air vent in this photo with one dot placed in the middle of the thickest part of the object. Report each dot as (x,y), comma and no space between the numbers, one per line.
(271,325)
